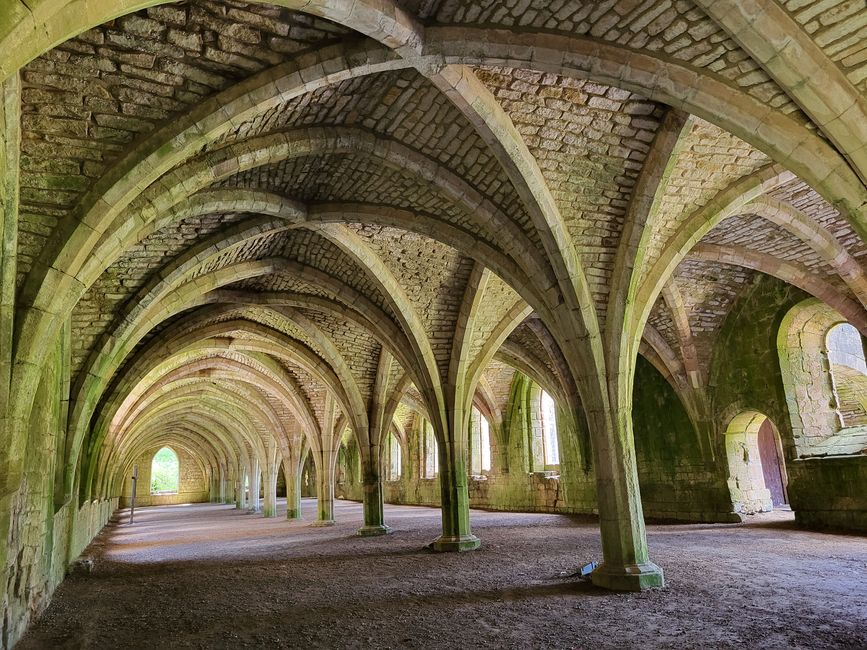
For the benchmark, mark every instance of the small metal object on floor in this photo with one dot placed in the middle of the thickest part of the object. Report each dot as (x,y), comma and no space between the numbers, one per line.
(583,573)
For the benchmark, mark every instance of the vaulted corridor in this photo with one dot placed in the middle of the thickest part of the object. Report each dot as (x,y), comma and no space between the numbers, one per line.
(584,258)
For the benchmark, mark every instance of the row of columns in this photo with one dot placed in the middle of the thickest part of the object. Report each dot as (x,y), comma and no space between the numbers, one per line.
(628,571)
(230,487)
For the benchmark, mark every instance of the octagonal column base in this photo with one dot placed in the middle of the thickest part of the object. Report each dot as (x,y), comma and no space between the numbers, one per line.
(321,523)
(632,577)
(373,531)
(450,544)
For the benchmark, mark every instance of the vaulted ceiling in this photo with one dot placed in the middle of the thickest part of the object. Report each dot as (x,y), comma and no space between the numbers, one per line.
(248,212)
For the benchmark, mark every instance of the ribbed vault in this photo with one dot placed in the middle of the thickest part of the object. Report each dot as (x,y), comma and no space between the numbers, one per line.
(253,228)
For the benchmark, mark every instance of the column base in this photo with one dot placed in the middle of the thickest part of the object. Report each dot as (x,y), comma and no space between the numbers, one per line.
(454,543)
(373,531)
(293,515)
(632,577)
(321,523)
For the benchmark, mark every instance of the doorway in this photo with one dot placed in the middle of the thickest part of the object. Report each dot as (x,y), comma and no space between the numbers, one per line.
(757,472)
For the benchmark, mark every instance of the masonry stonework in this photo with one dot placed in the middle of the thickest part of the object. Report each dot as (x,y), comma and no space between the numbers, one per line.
(276,236)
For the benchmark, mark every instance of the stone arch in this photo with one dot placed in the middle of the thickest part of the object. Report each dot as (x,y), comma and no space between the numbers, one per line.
(795,274)
(817,426)
(235,431)
(286,348)
(180,379)
(751,462)
(692,90)
(203,453)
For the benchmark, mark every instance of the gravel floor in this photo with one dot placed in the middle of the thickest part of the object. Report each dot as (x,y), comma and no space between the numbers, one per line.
(209,576)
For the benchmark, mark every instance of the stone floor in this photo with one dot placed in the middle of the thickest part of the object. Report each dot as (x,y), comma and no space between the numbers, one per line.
(208,576)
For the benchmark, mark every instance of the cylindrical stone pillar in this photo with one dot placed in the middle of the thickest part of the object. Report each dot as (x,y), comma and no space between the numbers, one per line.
(374,516)
(457,535)
(270,507)
(293,492)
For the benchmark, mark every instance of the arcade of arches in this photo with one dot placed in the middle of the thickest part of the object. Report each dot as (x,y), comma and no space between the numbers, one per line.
(554,256)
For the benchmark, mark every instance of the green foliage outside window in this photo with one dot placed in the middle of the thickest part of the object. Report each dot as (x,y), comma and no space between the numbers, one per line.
(165,474)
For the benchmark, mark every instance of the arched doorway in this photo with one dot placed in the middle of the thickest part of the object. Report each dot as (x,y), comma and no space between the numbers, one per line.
(757,472)
(165,472)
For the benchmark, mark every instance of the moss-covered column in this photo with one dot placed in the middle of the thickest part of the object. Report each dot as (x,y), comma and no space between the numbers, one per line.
(456,535)
(626,565)
(371,484)
(324,488)
(228,489)
(269,509)
(255,504)
(213,488)
(10,465)
(241,489)
(224,486)
(292,473)
(324,498)
(516,424)
(237,484)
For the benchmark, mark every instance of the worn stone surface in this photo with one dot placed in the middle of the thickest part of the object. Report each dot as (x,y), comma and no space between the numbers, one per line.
(510,593)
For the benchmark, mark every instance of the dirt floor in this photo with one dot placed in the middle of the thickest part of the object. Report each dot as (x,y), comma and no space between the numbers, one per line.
(209,576)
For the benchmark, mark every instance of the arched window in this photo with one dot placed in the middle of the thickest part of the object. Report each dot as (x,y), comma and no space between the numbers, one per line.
(848,370)
(430,453)
(549,429)
(165,472)
(480,443)
(823,372)
(394,458)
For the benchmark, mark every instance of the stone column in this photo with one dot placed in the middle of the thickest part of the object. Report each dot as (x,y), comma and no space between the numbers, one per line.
(371,483)
(270,482)
(224,486)
(11,464)
(241,489)
(231,484)
(255,486)
(292,471)
(324,494)
(238,488)
(456,534)
(626,565)
(214,488)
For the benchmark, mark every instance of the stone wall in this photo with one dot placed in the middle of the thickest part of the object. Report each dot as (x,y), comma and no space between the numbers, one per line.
(683,473)
(47,531)
(830,492)
(746,376)
(193,486)
(679,479)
